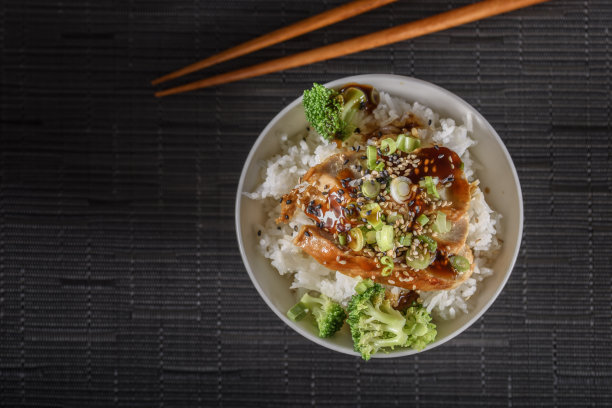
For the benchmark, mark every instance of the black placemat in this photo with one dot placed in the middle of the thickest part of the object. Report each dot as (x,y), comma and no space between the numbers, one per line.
(120,279)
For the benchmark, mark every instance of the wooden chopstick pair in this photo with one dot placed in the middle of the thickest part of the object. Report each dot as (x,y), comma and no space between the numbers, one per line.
(443,21)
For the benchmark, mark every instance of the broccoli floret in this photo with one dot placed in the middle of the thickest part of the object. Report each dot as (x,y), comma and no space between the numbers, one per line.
(328,314)
(331,113)
(419,328)
(374,323)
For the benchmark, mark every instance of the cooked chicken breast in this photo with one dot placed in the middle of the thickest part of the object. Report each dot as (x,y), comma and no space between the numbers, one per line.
(329,194)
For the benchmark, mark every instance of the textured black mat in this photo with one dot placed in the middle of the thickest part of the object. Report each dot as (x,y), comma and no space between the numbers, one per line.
(120,278)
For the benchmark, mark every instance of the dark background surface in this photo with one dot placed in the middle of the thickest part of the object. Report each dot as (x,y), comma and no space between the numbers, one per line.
(121,282)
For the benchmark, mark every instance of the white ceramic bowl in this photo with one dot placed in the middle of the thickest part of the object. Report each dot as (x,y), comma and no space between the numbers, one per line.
(500,177)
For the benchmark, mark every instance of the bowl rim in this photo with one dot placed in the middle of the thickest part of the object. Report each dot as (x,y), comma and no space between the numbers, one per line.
(403,352)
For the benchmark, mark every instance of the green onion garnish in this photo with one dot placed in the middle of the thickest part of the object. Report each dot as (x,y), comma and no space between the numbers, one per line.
(393,217)
(297,312)
(357,239)
(407,143)
(370,188)
(431,244)
(460,263)
(440,225)
(387,261)
(422,219)
(385,238)
(400,142)
(371,213)
(342,239)
(371,155)
(370,237)
(411,144)
(430,184)
(421,262)
(388,146)
(400,189)
(405,240)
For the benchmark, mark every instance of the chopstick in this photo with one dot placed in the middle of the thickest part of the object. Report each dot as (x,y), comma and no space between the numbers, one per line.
(439,22)
(294,30)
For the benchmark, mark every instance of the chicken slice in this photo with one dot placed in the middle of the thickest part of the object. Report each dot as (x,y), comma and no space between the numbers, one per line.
(322,248)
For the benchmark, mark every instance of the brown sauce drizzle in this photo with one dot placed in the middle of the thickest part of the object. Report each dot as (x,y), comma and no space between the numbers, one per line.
(441,267)
(435,163)
(406,299)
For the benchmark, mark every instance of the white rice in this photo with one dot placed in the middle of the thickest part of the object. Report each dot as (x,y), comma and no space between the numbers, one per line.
(299,152)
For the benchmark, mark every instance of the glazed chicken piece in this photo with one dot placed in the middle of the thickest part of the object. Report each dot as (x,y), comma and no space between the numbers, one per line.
(322,248)
(328,189)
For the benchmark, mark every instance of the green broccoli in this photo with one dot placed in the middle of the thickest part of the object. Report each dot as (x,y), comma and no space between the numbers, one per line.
(332,113)
(374,323)
(419,328)
(328,315)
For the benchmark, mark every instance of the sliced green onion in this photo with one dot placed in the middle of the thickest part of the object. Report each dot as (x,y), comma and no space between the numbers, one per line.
(460,263)
(440,225)
(430,183)
(405,240)
(400,189)
(342,239)
(370,237)
(422,219)
(422,262)
(461,166)
(357,239)
(393,217)
(370,188)
(363,285)
(407,143)
(352,99)
(371,154)
(371,213)
(400,142)
(431,244)
(385,238)
(388,146)
(387,261)
(379,167)
(297,312)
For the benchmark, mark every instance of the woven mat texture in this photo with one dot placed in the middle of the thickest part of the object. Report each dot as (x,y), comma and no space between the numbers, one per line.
(121,282)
